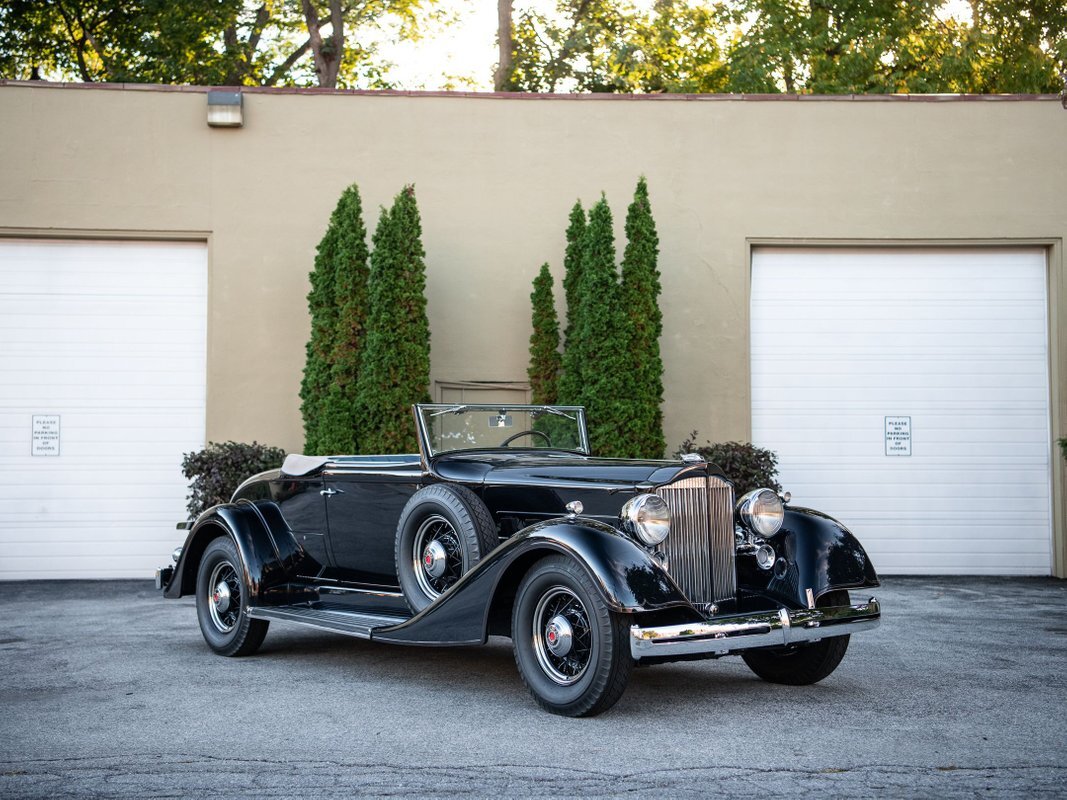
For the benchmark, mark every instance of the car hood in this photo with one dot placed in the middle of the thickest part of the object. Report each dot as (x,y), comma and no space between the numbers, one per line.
(554,469)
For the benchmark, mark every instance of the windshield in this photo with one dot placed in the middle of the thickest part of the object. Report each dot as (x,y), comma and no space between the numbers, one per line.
(447,428)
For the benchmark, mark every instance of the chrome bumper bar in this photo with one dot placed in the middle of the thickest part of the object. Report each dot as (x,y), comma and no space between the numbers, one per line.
(745,631)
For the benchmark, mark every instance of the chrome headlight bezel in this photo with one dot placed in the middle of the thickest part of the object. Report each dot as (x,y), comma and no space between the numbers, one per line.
(648,517)
(762,512)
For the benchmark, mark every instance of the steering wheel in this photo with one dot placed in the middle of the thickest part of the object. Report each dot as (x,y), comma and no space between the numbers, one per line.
(515,436)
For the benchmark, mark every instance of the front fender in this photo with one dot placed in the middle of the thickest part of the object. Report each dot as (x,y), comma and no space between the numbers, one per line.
(628,578)
(821,554)
(268,550)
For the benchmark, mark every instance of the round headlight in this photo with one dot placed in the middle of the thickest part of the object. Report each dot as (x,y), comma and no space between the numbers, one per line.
(649,518)
(761,512)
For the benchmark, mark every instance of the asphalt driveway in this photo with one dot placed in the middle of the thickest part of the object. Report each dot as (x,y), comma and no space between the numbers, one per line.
(108,690)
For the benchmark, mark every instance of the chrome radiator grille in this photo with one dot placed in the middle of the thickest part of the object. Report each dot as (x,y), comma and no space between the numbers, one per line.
(700,548)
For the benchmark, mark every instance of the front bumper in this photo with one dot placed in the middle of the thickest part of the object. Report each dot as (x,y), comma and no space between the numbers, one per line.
(745,631)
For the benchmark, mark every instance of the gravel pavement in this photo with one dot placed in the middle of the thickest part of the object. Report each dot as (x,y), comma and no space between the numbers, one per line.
(109,691)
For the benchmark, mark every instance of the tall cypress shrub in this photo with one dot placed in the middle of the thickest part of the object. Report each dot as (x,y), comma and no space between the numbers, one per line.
(600,339)
(572,263)
(341,258)
(545,360)
(640,303)
(570,381)
(396,354)
(337,428)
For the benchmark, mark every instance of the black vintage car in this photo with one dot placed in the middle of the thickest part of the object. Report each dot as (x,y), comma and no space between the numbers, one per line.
(503,524)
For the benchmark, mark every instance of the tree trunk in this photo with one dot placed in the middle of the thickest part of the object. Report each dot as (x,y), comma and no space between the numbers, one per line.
(327,53)
(506,43)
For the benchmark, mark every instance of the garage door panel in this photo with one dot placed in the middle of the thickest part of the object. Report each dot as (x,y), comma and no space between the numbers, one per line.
(991,533)
(23,339)
(106,394)
(908,563)
(955,339)
(111,337)
(64,567)
(1008,398)
(158,548)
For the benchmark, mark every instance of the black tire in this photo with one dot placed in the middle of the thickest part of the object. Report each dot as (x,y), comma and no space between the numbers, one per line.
(804,664)
(590,676)
(448,524)
(228,630)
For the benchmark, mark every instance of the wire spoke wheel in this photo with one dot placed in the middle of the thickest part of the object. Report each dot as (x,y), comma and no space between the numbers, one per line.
(443,532)
(562,638)
(437,556)
(224,596)
(222,600)
(571,648)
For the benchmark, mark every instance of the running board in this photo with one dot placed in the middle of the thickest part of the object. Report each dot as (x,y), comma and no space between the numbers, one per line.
(349,623)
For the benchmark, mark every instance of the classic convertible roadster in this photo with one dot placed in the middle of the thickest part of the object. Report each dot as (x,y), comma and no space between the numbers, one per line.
(503,524)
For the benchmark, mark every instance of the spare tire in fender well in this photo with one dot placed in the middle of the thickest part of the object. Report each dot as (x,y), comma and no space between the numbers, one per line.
(452,529)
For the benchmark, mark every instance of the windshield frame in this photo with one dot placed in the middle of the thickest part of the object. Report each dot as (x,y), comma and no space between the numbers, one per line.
(577,412)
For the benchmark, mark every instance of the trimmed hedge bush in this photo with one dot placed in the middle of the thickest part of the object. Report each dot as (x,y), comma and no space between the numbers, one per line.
(216,471)
(748,466)
(1063,445)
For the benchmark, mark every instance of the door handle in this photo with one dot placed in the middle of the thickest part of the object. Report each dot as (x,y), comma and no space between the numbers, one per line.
(330,492)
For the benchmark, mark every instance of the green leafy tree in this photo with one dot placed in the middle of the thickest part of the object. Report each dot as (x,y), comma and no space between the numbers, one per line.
(153,41)
(570,380)
(545,361)
(568,50)
(821,46)
(329,43)
(600,340)
(674,49)
(396,358)
(1007,46)
(336,427)
(640,303)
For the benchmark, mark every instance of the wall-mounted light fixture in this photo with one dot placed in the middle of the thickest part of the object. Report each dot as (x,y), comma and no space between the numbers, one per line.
(224,109)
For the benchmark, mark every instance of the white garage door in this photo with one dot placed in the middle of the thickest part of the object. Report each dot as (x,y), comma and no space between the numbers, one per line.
(906,393)
(102,388)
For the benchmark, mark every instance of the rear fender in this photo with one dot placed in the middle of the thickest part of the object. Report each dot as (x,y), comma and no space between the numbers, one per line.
(627,577)
(268,549)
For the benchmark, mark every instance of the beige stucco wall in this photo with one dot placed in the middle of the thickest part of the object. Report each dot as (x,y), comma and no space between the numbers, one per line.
(495,179)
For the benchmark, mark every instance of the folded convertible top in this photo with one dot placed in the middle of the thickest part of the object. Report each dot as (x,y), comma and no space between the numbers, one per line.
(297,466)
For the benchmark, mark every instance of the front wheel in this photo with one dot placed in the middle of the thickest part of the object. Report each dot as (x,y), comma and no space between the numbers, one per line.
(571,649)
(804,664)
(222,602)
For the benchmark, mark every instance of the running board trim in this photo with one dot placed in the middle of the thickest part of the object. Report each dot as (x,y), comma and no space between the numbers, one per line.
(348,623)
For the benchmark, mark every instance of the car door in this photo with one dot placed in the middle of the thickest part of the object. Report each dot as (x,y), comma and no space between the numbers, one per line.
(303,506)
(363,507)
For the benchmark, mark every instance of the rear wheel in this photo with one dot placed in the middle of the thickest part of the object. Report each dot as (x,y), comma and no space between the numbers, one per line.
(222,602)
(571,649)
(806,663)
